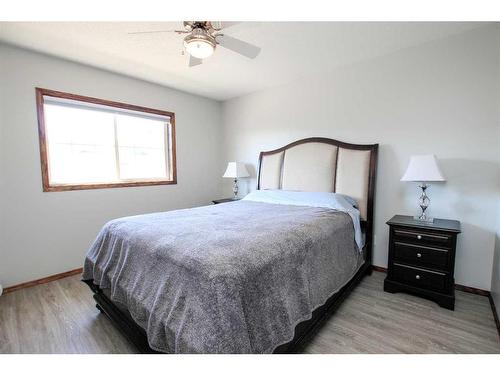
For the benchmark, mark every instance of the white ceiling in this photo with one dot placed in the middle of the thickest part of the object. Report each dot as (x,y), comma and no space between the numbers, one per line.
(289,49)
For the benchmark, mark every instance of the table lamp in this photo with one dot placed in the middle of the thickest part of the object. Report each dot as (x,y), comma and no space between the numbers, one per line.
(236,169)
(423,169)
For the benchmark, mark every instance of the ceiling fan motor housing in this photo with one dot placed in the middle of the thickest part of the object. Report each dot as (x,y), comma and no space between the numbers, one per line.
(200,34)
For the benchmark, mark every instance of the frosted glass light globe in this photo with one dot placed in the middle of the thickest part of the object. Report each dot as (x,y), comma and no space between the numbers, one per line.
(199,48)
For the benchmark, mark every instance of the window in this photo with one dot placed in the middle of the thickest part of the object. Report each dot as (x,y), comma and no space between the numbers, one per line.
(88,143)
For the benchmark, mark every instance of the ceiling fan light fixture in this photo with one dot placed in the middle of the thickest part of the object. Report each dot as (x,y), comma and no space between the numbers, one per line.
(200,44)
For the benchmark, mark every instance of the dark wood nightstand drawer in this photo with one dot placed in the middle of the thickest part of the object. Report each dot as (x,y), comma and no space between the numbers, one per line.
(420,277)
(417,236)
(419,255)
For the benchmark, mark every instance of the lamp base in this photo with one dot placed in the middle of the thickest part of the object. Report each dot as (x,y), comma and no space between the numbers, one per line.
(235,189)
(424,202)
(428,220)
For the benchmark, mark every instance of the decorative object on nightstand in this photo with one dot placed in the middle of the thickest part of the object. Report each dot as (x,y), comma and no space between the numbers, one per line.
(422,258)
(225,200)
(423,169)
(236,169)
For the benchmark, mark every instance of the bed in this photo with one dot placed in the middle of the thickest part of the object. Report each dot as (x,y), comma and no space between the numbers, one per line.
(254,276)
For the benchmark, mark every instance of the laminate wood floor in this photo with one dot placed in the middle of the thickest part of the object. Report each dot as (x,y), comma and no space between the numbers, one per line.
(60,317)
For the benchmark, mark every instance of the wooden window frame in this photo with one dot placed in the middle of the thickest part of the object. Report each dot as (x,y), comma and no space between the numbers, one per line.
(47,187)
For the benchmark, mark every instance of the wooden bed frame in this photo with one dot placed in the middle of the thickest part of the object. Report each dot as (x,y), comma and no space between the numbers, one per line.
(304,330)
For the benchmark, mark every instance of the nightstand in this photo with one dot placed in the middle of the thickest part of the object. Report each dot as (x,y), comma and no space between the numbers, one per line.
(422,258)
(225,200)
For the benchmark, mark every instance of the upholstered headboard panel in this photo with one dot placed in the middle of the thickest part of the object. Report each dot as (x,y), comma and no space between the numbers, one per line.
(270,171)
(309,167)
(322,164)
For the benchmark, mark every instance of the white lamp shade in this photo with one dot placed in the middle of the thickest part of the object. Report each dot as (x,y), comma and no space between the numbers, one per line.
(236,169)
(423,168)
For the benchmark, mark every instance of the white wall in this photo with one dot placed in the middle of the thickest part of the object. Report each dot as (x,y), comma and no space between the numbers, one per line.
(495,277)
(438,98)
(47,233)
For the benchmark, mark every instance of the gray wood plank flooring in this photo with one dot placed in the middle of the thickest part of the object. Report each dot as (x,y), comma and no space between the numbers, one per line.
(60,317)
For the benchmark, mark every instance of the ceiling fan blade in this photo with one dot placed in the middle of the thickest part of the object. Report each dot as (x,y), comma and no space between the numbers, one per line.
(219,25)
(226,24)
(238,46)
(159,31)
(193,61)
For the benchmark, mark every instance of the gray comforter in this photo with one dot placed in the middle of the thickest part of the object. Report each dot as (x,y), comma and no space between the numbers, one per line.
(228,278)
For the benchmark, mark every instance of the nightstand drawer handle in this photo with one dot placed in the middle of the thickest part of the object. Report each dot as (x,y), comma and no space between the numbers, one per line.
(417,277)
(419,255)
(419,237)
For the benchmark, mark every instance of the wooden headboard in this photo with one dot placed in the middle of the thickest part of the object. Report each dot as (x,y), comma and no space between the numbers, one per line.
(324,164)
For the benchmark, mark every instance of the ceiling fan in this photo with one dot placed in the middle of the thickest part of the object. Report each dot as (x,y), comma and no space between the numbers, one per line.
(204,36)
